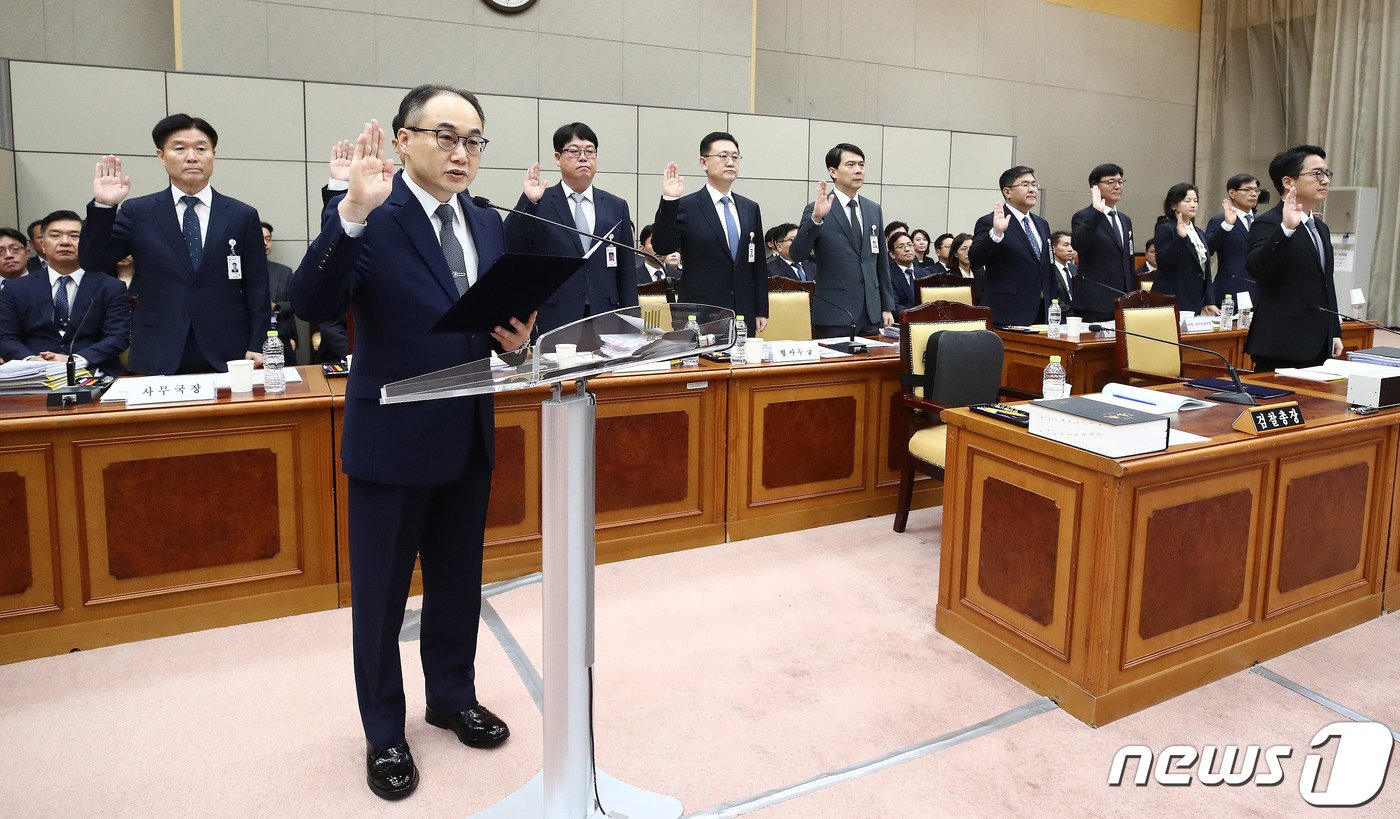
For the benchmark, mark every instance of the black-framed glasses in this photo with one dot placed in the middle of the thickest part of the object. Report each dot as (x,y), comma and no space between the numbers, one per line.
(1112,183)
(725,157)
(1321,175)
(448,140)
(1028,186)
(1247,191)
(575,152)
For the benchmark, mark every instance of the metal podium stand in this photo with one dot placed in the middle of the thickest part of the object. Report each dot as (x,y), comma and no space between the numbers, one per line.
(564,788)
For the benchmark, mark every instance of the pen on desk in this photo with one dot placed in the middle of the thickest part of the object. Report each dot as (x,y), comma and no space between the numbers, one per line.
(1130,398)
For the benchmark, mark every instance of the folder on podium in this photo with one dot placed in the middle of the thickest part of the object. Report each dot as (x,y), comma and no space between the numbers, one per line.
(566,787)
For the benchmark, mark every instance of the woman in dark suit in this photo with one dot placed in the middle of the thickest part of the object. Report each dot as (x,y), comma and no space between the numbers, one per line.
(962,264)
(1183,257)
(922,257)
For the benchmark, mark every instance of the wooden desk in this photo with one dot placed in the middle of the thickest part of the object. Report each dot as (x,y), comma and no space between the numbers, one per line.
(1113,585)
(120,524)
(1091,362)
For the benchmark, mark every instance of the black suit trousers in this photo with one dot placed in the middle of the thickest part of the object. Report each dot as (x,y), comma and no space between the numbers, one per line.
(390,526)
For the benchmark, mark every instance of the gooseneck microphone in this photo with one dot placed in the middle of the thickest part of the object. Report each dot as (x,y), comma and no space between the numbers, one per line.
(483,202)
(74,394)
(850,345)
(1239,396)
(1355,319)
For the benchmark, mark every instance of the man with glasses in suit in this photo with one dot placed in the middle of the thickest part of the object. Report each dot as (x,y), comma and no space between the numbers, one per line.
(1011,242)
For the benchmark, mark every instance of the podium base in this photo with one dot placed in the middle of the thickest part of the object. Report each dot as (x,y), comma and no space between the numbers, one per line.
(621,800)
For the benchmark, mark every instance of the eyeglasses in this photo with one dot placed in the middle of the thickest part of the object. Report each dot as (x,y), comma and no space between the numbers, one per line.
(448,140)
(1247,190)
(575,153)
(1028,186)
(904,246)
(1112,183)
(725,157)
(13,251)
(1321,175)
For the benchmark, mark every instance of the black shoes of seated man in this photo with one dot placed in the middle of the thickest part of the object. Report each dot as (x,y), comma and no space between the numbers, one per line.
(391,773)
(476,726)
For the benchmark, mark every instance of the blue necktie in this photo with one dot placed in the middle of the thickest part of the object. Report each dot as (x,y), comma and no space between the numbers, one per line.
(190,227)
(1031,235)
(60,302)
(732,228)
(802,277)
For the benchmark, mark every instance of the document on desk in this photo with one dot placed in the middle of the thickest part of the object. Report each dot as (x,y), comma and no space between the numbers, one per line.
(1153,401)
(1177,437)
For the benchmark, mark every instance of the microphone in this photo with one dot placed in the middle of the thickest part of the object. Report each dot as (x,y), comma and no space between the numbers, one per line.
(1080,280)
(1239,396)
(850,346)
(483,202)
(74,394)
(1358,320)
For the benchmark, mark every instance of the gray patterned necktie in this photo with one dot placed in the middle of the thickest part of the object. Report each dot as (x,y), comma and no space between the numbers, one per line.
(452,249)
(581,220)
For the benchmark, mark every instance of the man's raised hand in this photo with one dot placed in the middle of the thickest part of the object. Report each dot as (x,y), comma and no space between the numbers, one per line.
(371,175)
(672,183)
(534,186)
(821,206)
(109,187)
(341,154)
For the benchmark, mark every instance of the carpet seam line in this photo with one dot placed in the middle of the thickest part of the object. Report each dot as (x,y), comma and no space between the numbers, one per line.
(525,669)
(1307,693)
(879,763)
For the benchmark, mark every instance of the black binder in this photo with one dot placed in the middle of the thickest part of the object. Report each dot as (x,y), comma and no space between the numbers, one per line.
(514,287)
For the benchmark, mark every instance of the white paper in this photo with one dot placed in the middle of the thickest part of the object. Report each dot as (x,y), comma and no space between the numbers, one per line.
(1176,437)
(1309,374)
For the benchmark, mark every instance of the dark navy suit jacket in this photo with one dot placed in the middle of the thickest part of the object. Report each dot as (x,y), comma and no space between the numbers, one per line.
(1291,284)
(397,282)
(778,267)
(1105,263)
(691,225)
(852,274)
(27,325)
(1231,251)
(601,287)
(906,295)
(1015,282)
(1179,270)
(230,317)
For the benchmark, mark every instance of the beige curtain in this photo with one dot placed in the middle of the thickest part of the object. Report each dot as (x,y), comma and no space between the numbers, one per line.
(1354,98)
(1278,72)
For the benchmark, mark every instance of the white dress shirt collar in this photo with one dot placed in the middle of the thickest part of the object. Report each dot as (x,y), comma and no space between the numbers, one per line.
(569,192)
(205,197)
(76,275)
(430,203)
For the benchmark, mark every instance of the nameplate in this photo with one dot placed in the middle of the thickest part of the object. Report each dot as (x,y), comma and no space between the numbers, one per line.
(170,389)
(789,351)
(1199,324)
(1270,418)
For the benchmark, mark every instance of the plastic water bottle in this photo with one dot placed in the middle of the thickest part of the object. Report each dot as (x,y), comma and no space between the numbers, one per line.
(692,360)
(1053,317)
(274,380)
(741,333)
(1052,383)
(1227,312)
(1358,310)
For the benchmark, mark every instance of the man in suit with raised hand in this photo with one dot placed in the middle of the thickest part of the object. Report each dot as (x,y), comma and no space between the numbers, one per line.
(1103,238)
(45,315)
(201,269)
(1290,256)
(1228,233)
(718,234)
(608,278)
(1011,243)
(402,249)
(854,282)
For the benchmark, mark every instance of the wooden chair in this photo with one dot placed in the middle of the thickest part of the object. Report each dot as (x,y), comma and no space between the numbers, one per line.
(968,375)
(1145,361)
(946,287)
(1145,280)
(652,288)
(789,309)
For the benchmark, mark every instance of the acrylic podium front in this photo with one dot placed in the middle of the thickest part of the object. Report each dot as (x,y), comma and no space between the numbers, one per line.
(569,786)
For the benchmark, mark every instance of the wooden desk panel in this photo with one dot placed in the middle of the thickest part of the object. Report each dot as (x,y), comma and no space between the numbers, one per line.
(221,511)
(1113,585)
(816,443)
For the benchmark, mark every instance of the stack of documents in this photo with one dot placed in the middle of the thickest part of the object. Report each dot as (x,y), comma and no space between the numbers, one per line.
(1335,369)
(1153,401)
(35,377)
(1385,356)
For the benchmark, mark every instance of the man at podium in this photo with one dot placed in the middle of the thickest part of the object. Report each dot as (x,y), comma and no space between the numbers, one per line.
(401,249)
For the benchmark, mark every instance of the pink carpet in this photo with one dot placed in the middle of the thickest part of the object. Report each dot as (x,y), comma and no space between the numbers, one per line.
(722,673)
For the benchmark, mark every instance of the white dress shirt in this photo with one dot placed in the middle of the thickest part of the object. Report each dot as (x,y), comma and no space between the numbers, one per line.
(201,210)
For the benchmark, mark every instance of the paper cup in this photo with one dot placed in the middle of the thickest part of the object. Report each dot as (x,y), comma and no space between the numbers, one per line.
(753,351)
(240,375)
(566,354)
(349,359)
(1074,325)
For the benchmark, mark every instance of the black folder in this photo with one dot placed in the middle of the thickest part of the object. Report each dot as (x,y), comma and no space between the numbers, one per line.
(514,287)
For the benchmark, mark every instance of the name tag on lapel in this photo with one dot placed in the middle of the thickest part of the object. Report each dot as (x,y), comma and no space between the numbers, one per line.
(235,267)
(612,256)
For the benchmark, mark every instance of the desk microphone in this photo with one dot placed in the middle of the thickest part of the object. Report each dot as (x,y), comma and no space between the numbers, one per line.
(74,394)
(851,345)
(1238,396)
(483,202)
(1357,320)
(1078,280)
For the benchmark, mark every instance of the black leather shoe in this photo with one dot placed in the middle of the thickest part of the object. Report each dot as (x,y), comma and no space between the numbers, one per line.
(475,726)
(391,772)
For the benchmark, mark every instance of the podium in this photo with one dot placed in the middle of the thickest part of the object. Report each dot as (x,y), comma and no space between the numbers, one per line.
(569,786)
